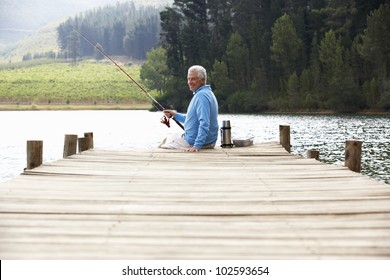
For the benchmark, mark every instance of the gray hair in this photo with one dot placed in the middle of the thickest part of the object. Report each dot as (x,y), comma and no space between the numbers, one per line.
(200,71)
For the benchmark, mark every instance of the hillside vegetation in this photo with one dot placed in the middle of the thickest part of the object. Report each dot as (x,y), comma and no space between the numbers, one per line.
(42,41)
(61,85)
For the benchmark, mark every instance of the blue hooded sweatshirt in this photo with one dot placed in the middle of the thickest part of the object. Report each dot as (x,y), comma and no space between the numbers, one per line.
(201,120)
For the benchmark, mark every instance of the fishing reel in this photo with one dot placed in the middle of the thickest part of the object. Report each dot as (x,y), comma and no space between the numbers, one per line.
(165,121)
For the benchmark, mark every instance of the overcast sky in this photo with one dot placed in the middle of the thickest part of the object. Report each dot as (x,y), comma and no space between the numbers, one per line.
(29,14)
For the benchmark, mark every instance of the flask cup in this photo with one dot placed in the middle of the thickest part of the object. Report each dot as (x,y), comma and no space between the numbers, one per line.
(226,138)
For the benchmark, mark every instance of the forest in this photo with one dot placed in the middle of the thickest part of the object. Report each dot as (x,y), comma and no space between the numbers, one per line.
(261,55)
(123,29)
(279,55)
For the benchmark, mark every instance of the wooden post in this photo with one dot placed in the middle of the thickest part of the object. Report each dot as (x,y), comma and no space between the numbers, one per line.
(353,155)
(89,139)
(312,153)
(70,145)
(34,153)
(284,137)
(82,144)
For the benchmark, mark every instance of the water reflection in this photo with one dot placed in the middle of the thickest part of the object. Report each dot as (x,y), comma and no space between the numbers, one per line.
(328,134)
(140,129)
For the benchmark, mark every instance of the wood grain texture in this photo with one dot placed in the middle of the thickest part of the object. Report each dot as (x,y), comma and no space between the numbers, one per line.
(257,202)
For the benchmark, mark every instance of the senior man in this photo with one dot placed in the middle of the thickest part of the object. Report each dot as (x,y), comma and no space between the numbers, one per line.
(200,121)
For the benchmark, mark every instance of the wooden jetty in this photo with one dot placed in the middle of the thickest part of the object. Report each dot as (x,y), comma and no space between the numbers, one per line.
(257,202)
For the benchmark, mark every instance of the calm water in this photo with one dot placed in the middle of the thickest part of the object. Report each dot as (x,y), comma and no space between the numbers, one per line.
(140,129)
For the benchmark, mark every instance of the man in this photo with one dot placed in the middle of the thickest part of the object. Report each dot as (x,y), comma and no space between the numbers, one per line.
(201,120)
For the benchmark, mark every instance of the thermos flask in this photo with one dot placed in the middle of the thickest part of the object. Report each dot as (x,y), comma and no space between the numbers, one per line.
(226,136)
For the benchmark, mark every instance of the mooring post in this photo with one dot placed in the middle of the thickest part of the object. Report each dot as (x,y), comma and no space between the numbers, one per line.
(353,155)
(89,139)
(82,141)
(312,153)
(284,137)
(70,145)
(34,153)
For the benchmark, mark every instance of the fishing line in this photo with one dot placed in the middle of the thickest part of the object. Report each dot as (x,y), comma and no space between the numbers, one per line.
(155,103)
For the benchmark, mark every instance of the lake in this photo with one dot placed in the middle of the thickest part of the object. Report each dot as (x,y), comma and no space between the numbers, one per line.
(142,129)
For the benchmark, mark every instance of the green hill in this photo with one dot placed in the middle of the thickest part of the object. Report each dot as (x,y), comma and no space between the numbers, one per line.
(41,41)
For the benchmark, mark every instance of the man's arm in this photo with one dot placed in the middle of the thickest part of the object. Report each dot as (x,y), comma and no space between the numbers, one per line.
(203,112)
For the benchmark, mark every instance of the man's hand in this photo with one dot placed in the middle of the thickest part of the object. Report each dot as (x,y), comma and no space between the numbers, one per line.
(192,149)
(170,113)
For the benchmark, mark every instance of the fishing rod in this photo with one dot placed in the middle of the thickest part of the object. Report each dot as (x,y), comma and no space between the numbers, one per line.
(155,103)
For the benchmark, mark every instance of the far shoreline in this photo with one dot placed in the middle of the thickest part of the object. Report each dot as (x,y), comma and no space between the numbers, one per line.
(74,107)
(149,107)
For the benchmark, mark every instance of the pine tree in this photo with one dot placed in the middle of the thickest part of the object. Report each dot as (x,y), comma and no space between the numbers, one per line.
(220,20)
(73,46)
(376,49)
(293,92)
(376,41)
(195,33)
(98,54)
(171,24)
(286,46)
(340,86)
(237,55)
(223,86)
(330,56)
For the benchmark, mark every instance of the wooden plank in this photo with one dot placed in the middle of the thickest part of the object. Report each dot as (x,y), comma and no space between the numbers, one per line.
(256,202)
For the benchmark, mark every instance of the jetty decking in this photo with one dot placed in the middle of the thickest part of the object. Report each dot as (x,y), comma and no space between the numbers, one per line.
(257,202)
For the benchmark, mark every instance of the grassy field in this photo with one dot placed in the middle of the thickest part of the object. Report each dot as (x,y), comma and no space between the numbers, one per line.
(62,85)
